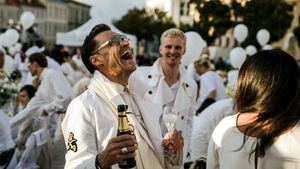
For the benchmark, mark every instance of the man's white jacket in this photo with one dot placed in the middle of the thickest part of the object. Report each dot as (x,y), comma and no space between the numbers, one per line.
(92,118)
(155,90)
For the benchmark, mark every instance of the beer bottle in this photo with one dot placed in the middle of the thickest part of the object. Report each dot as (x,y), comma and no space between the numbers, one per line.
(124,128)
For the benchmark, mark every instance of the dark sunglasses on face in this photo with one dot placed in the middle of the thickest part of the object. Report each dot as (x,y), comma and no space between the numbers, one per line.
(115,40)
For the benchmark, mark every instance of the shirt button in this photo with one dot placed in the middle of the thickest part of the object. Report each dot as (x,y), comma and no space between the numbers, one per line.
(182,117)
(150,92)
(149,76)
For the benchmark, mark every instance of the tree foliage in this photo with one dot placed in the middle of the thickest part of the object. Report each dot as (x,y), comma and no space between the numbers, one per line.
(274,15)
(144,24)
(214,19)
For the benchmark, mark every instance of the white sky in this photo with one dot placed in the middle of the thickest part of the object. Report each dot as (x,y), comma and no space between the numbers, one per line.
(114,9)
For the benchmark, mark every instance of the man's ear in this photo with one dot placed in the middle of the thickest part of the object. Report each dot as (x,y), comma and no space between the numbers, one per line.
(96,61)
(184,51)
(160,48)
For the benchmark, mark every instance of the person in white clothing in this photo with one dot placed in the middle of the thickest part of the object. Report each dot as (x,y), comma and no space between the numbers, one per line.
(211,85)
(20,63)
(27,92)
(90,125)
(204,125)
(6,64)
(167,83)
(51,99)
(70,69)
(266,131)
(51,63)
(8,158)
(77,59)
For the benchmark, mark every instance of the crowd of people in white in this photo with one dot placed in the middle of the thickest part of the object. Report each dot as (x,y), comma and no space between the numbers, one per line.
(34,138)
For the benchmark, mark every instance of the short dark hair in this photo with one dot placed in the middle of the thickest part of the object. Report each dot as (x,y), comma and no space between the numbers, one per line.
(39,58)
(29,89)
(90,45)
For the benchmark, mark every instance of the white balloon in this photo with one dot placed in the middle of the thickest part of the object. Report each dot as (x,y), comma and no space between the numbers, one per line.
(194,46)
(263,36)
(267,47)
(251,50)
(11,36)
(237,57)
(27,19)
(240,32)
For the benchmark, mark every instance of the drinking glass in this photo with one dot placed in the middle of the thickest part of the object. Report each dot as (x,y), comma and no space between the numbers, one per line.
(170,117)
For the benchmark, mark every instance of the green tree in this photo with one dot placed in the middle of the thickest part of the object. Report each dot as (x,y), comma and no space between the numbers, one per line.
(136,22)
(160,22)
(214,19)
(274,15)
(144,24)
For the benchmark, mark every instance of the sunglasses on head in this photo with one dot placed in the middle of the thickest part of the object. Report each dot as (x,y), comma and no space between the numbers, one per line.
(115,40)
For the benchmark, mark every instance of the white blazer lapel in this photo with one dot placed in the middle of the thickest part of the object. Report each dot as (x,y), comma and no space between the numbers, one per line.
(162,94)
(141,130)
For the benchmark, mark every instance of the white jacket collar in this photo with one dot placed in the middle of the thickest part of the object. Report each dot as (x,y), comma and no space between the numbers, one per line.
(110,93)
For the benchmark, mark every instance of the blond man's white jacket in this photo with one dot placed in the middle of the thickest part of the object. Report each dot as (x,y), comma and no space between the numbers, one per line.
(157,91)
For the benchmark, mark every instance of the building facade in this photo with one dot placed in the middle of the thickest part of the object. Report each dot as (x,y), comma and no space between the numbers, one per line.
(179,10)
(78,14)
(51,16)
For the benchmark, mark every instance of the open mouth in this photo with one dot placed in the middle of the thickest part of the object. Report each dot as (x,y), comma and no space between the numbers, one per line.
(126,55)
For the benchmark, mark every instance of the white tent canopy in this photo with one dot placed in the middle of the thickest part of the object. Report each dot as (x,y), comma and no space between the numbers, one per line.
(76,36)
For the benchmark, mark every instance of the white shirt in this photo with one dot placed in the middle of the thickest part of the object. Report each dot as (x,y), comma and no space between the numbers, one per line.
(205,123)
(224,153)
(53,95)
(210,81)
